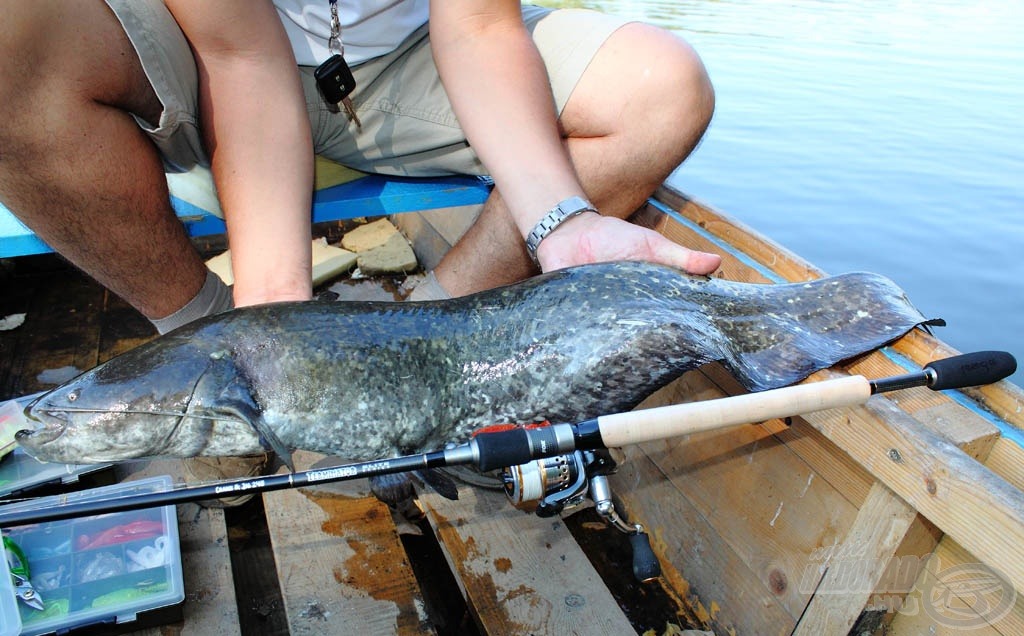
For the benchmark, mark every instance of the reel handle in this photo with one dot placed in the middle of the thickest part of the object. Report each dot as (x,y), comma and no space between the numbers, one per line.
(645,565)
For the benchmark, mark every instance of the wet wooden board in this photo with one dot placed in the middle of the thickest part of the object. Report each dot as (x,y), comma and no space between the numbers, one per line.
(519,573)
(340,564)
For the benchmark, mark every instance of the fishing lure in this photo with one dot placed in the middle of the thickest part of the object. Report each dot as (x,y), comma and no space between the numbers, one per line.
(17,563)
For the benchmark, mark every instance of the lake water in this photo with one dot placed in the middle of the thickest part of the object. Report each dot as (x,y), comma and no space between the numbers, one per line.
(885,136)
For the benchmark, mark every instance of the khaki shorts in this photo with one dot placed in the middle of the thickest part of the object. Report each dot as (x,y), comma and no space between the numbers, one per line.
(408,127)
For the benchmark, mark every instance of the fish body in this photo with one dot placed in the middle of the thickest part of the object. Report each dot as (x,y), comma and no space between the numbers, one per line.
(367,380)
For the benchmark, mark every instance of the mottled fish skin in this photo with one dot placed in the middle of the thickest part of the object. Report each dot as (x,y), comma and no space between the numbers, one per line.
(365,380)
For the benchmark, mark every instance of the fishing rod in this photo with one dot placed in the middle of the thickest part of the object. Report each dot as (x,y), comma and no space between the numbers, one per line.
(554,466)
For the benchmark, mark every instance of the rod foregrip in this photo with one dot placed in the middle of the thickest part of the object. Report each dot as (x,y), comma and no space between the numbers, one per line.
(971,369)
(520,445)
(505,448)
(635,427)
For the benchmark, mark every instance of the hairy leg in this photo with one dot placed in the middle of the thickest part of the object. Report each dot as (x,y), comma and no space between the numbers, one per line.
(74,165)
(623,143)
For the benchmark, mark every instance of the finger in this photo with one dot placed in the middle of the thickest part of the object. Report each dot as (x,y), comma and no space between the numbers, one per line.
(691,261)
(702,262)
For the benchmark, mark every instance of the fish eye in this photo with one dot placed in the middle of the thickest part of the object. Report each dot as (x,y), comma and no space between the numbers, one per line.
(72,396)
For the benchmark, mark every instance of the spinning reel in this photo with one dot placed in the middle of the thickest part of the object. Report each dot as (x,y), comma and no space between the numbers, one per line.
(549,485)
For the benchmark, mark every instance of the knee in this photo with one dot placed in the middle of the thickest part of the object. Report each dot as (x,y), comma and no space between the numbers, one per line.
(668,85)
(21,29)
(52,61)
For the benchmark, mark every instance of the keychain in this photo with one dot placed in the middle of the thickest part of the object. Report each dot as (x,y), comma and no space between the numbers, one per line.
(334,77)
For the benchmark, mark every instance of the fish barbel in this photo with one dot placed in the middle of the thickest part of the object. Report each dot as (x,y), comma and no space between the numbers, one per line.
(366,380)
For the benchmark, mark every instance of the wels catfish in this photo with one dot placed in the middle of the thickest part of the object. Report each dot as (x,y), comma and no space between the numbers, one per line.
(366,380)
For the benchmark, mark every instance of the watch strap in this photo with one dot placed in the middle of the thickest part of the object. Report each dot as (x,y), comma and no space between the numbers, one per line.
(566,209)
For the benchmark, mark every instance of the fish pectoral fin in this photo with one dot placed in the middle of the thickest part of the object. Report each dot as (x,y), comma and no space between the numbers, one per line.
(395,489)
(237,401)
(440,483)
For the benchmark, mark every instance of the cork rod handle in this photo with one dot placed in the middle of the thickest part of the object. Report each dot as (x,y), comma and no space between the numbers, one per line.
(635,427)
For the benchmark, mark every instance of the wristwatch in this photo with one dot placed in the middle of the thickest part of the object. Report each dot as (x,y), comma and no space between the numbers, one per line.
(565,210)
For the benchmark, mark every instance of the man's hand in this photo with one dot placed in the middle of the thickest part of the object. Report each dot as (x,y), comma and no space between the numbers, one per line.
(592,238)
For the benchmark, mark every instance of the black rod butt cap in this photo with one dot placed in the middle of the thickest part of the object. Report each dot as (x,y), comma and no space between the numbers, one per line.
(971,369)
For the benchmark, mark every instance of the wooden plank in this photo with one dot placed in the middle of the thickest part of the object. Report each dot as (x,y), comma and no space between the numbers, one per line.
(852,571)
(955,594)
(122,328)
(775,512)
(341,564)
(829,462)
(951,489)
(1007,461)
(720,587)
(839,469)
(210,603)
(60,333)
(520,574)
(744,572)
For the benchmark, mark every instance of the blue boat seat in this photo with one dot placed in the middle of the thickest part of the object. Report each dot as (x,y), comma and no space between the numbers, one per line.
(340,193)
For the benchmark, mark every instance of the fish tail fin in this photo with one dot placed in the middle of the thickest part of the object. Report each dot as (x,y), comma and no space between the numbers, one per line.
(799,328)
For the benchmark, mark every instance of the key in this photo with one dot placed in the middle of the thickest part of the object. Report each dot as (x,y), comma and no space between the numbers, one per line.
(350,112)
(335,81)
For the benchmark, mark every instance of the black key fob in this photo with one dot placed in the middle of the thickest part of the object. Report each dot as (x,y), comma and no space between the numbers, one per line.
(334,78)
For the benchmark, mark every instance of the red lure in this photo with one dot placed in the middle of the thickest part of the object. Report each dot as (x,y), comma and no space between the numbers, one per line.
(142,529)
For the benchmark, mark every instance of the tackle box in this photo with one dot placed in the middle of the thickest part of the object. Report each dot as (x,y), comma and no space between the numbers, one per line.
(107,573)
(10,619)
(22,474)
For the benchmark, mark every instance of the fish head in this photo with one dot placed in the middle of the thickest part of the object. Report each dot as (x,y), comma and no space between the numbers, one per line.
(166,398)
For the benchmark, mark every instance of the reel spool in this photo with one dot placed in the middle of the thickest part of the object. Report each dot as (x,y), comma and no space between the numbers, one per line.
(547,486)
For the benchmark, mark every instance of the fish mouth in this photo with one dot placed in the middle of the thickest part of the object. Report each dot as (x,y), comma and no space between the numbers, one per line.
(46,433)
(46,425)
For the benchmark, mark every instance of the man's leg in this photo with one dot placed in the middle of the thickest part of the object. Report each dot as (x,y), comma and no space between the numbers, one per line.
(74,165)
(624,141)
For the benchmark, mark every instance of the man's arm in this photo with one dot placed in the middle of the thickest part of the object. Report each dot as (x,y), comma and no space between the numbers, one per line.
(496,81)
(499,89)
(256,130)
